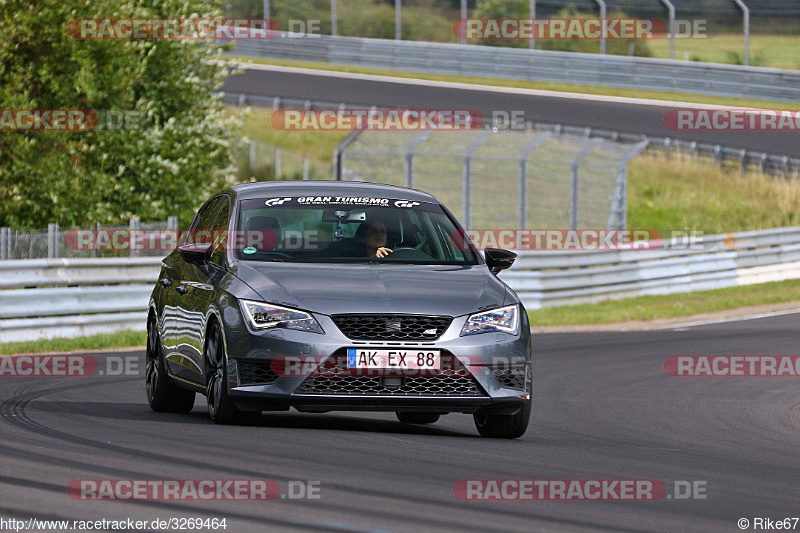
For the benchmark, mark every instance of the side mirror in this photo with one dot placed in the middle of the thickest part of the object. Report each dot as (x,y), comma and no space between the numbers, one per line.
(497,259)
(197,253)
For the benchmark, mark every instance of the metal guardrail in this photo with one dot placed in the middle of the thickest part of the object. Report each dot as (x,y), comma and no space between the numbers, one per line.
(69,297)
(535,65)
(49,298)
(547,279)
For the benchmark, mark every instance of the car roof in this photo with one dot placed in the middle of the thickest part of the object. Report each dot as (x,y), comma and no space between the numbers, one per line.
(329,188)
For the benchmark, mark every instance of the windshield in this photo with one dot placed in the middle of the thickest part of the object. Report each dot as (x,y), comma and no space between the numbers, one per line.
(332,229)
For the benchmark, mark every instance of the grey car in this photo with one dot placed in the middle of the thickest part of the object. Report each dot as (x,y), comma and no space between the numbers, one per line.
(323,296)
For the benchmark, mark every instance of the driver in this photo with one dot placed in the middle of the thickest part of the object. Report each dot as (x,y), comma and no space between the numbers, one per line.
(372,235)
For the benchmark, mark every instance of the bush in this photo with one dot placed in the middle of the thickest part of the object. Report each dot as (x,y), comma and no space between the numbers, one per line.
(171,164)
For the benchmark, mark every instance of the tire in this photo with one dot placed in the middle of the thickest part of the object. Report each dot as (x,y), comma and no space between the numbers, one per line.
(220,406)
(417,418)
(503,426)
(162,395)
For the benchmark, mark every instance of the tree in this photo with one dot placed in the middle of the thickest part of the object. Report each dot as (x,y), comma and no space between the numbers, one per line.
(170,163)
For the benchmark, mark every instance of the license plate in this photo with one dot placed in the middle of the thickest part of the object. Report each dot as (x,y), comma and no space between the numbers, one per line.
(393,359)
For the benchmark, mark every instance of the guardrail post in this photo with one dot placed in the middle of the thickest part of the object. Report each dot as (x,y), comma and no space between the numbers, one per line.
(305,167)
(743,162)
(3,243)
(278,162)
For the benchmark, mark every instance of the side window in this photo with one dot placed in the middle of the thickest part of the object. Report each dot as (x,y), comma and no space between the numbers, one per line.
(219,232)
(201,227)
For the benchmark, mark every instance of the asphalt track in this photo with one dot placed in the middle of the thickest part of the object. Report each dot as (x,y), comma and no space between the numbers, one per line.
(604,408)
(580,110)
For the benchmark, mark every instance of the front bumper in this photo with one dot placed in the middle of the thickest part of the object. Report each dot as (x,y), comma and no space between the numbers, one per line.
(499,369)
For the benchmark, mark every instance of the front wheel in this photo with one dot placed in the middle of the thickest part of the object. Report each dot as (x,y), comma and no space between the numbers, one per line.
(162,395)
(503,426)
(417,418)
(220,406)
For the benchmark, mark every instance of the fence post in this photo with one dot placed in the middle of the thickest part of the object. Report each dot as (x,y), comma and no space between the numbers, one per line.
(746,13)
(467,175)
(305,167)
(96,252)
(534,143)
(409,159)
(334,18)
(573,197)
(3,243)
(52,235)
(277,162)
(252,155)
(671,9)
(603,25)
(133,226)
(532,16)
(398,20)
(338,153)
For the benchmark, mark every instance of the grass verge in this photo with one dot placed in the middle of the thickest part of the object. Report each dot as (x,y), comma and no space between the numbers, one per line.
(668,305)
(687,193)
(522,84)
(120,339)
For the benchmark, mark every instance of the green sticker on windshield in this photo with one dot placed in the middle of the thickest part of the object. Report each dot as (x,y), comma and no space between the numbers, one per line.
(249,250)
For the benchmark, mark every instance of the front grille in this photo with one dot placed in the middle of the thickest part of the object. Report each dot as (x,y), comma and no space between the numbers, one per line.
(511,377)
(333,377)
(255,372)
(392,327)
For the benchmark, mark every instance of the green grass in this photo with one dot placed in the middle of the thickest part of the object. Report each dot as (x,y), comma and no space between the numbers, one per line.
(540,85)
(317,145)
(667,306)
(775,51)
(697,194)
(121,339)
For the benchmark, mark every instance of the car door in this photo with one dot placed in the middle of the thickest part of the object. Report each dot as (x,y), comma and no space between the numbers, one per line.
(198,284)
(189,291)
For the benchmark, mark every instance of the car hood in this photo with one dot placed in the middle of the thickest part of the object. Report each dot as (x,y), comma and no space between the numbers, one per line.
(332,289)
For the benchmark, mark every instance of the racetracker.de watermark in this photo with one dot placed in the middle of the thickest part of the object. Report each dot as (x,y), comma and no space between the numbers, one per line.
(192,489)
(68,365)
(69,120)
(136,29)
(577,490)
(732,120)
(733,365)
(588,28)
(377,119)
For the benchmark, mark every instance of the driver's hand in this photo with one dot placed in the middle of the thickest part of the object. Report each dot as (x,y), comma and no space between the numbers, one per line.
(383,252)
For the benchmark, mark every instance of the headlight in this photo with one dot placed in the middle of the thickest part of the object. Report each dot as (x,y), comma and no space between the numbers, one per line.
(264,316)
(503,319)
